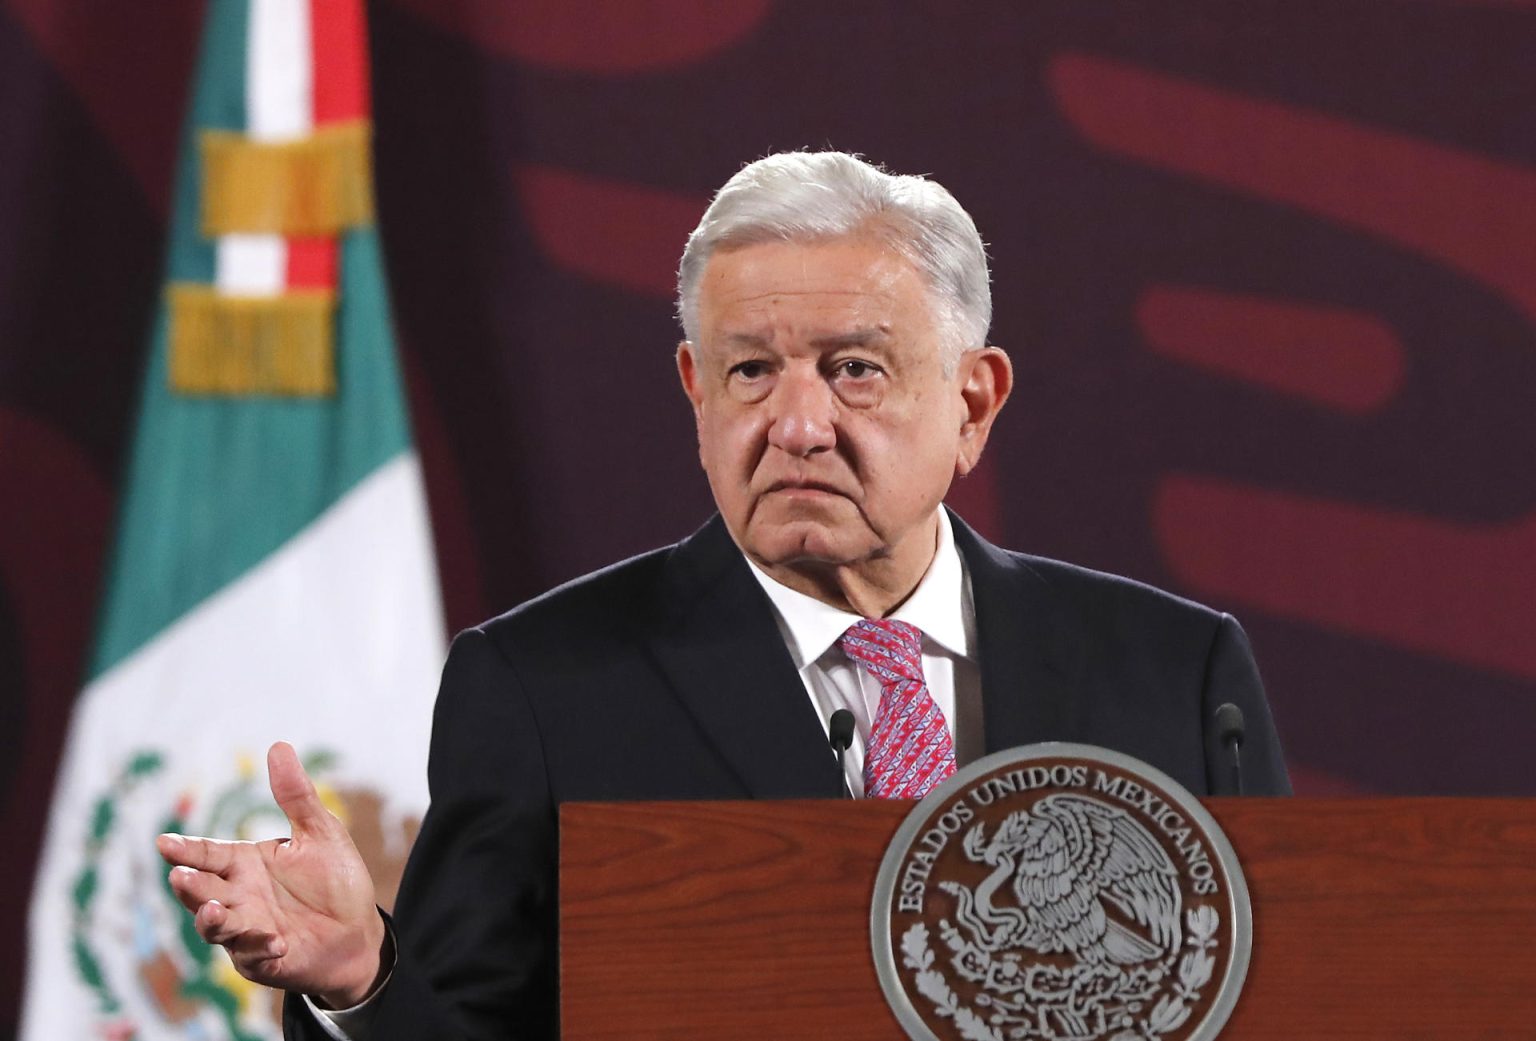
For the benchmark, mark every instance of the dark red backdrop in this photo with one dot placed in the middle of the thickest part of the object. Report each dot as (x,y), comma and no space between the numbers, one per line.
(1268,272)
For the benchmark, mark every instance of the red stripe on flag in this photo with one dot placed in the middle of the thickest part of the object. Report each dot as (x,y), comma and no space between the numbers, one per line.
(339,34)
(311,263)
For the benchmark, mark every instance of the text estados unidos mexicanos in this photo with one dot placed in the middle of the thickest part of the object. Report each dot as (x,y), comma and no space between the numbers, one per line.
(925,851)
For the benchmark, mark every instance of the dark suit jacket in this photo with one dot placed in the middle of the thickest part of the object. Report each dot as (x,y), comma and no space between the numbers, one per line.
(665,677)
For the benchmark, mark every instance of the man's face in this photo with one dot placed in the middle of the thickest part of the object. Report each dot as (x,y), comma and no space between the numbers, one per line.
(827,425)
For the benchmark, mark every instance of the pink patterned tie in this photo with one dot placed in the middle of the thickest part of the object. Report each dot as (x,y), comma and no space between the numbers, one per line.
(910,750)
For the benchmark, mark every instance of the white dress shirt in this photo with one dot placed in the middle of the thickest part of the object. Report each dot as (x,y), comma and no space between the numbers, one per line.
(941,606)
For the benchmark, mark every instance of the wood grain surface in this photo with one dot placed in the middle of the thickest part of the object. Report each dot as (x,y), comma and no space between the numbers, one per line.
(1373,918)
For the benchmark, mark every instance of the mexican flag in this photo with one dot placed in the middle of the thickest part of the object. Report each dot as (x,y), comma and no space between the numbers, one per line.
(273,573)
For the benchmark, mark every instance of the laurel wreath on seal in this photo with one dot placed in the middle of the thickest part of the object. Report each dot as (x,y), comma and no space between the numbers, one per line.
(1170,1012)
(230,811)
(918,956)
(83,892)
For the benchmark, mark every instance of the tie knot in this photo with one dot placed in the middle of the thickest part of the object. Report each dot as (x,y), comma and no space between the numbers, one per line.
(893,651)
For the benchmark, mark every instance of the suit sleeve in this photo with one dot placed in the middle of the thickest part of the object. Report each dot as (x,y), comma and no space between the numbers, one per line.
(1231,675)
(476,916)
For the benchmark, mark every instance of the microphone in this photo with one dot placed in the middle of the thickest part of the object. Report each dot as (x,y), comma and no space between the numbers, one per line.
(1229,730)
(840,737)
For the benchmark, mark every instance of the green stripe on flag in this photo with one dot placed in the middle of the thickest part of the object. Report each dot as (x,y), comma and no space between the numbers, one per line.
(216,484)
(218,102)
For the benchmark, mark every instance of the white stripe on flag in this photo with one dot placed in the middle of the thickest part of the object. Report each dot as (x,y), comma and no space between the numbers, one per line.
(279,71)
(251,265)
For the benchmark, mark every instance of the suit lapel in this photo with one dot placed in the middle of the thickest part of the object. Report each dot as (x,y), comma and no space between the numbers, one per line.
(720,649)
(1030,652)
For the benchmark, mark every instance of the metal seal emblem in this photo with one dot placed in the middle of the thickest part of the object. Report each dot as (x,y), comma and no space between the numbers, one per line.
(1061,892)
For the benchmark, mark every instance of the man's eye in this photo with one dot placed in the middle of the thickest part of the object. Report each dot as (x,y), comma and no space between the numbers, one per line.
(750,370)
(855,369)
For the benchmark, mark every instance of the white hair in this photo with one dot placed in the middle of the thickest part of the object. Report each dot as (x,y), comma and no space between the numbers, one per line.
(815,196)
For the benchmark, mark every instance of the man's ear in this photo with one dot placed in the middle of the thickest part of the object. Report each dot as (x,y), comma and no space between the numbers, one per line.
(688,374)
(986,379)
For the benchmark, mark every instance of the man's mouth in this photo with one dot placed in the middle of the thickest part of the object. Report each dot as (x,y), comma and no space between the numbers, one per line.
(803,487)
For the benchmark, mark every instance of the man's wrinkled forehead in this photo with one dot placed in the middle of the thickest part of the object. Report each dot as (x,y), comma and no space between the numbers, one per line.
(850,290)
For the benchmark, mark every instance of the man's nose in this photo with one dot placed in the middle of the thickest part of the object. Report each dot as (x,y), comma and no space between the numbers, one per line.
(804,410)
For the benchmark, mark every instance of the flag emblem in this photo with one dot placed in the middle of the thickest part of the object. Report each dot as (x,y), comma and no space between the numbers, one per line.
(135,948)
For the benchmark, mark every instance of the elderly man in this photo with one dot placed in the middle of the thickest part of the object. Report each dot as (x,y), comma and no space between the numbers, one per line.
(837,366)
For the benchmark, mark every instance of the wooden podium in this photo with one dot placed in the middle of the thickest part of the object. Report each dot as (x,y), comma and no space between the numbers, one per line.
(1373,918)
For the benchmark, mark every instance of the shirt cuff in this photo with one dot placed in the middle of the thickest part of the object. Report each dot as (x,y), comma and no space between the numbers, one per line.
(355,1023)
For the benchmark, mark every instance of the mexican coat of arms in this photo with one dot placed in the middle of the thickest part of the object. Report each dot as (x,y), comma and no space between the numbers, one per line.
(1061,893)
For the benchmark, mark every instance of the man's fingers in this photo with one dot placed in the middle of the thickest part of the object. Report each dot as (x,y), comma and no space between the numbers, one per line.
(213,923)
(253,947)
(195,888)
(203,854)
(233,930)
(254,952)
(294,792)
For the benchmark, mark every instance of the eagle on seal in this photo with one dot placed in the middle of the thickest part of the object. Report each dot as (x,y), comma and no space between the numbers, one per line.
(1071,859)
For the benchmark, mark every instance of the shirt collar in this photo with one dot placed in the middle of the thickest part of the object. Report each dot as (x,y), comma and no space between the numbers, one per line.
(940,606)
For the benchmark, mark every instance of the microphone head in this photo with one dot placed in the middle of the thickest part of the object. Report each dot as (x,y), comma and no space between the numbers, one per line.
(1229,723)
(840,730)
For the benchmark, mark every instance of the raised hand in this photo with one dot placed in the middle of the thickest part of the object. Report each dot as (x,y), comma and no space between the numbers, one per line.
(295,913)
